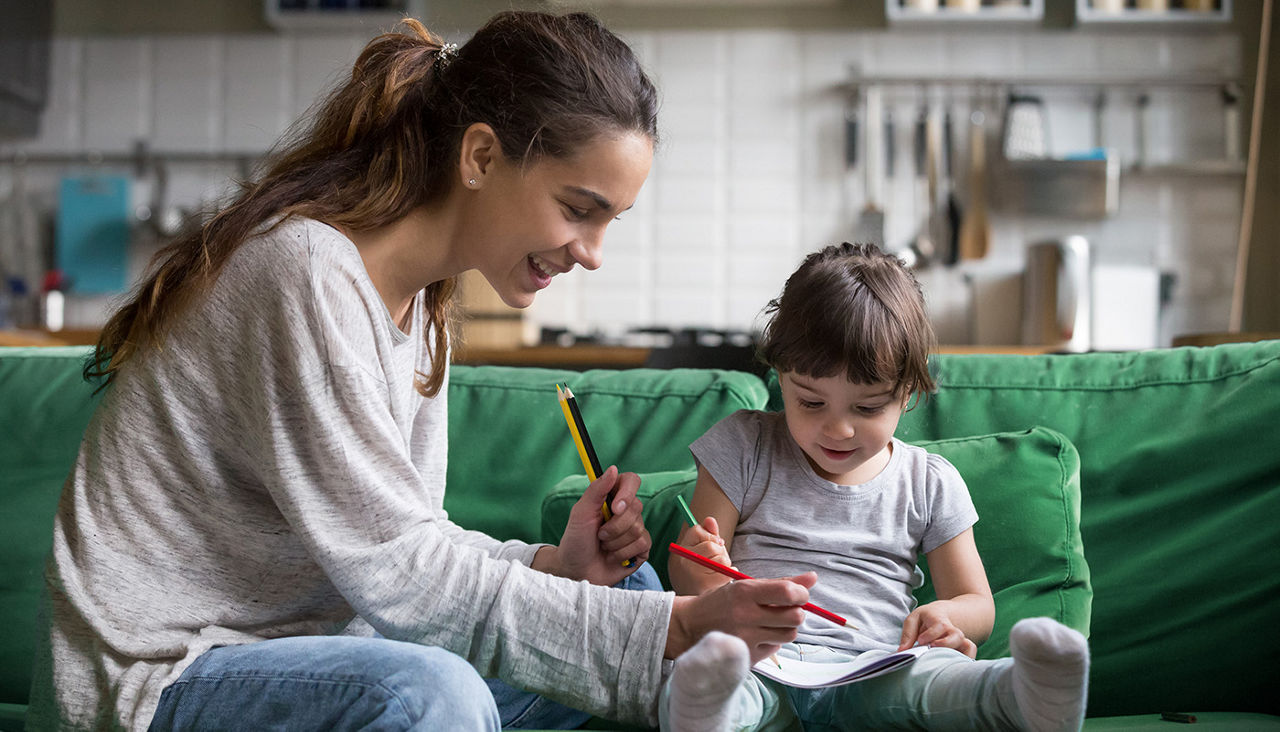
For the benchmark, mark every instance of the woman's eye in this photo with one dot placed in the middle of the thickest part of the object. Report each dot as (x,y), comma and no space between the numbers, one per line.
(575,212)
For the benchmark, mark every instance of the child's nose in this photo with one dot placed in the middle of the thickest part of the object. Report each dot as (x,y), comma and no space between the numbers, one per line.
(840,428)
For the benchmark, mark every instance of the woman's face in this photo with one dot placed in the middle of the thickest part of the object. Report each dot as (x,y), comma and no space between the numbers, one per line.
(539,222)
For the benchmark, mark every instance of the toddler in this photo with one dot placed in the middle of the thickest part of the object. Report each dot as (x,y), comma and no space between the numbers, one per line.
(824,486)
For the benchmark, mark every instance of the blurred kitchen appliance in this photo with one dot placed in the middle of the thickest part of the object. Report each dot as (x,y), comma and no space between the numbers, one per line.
(1126,307)
(1056,295)
(1025,132)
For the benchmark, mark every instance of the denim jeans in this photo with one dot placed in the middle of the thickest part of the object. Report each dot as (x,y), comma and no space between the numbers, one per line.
(327,683)
(527,710)
(344,682)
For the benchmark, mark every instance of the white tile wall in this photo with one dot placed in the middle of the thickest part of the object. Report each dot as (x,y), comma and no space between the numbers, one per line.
(750,175)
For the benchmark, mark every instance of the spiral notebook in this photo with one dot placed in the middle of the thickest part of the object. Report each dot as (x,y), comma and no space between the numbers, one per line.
(810,675)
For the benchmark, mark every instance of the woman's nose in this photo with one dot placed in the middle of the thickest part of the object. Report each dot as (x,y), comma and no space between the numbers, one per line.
(588,251)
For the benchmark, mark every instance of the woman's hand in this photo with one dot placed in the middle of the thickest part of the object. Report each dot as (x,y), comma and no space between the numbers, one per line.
(763,613)
(593,549)
(931,625)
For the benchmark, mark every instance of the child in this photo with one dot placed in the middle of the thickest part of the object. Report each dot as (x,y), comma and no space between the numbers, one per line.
(825,486)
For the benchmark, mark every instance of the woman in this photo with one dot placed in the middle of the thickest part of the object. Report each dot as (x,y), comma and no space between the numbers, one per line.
(253,531)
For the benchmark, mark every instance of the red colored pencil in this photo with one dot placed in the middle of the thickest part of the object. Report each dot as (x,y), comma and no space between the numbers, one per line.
(731,572)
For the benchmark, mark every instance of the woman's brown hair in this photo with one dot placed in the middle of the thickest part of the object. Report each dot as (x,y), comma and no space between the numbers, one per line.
(851,309)
(387,139)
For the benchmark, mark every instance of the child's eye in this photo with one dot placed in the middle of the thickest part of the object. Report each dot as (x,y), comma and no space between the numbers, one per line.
(806,404)
(871,410)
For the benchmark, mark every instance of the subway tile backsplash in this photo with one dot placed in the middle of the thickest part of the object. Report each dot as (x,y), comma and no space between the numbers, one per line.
(751,172)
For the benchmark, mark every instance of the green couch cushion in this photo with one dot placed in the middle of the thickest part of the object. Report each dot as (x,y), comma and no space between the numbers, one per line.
(642,420)
(1025,485)
(44,408)
(1180,483)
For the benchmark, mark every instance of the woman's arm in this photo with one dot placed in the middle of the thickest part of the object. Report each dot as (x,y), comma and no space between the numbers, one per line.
(964,612)
(712,538)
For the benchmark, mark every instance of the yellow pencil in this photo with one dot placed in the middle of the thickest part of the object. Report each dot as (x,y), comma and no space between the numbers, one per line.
(577,438)
(586,451)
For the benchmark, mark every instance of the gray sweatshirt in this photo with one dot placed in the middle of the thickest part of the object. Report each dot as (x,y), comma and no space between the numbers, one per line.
(271,471)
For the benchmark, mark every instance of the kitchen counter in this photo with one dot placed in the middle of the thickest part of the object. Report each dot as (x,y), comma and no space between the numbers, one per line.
(595,356)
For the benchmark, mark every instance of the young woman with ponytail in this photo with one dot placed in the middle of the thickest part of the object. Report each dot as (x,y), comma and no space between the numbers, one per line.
(252,535)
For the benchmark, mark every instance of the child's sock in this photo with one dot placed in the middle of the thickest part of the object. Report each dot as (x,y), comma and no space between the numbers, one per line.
(1050,674)
(703,681)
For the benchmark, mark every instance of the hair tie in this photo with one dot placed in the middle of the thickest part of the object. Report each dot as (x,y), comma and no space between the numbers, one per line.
(445,56)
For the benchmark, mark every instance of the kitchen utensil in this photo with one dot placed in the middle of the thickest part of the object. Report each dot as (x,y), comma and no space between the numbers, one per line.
(975,234)
(1024,127)
(1231,122)
(870,226)
(1056,295)
(921,249)
(1140,128)
(949,246)
(936,221)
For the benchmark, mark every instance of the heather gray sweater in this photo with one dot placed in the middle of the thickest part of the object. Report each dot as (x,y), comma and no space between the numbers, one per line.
(272,472)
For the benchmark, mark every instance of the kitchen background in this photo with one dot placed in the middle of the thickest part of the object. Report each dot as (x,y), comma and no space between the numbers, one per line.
(786,126)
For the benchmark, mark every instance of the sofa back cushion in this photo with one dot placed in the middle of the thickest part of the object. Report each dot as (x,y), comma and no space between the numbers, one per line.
(44,408)
(1180,485)
(509,445)
(1025,485)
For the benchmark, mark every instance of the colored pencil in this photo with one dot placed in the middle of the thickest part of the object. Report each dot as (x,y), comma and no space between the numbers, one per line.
(735,574)
(688,513)
(586,451)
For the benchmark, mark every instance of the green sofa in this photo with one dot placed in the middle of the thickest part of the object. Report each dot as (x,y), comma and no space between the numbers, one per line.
(1134,496)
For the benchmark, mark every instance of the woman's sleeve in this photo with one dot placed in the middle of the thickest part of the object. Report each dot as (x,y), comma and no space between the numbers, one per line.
(429,451)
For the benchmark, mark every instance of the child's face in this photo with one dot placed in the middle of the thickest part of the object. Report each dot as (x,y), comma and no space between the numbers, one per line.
(843,428)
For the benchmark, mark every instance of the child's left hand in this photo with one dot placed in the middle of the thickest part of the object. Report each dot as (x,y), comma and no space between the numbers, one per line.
(930,625)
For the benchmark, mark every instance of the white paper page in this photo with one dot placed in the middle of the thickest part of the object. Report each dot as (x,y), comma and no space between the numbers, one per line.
(809,675)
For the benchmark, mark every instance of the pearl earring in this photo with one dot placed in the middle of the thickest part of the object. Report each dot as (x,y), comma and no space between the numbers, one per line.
(471,182)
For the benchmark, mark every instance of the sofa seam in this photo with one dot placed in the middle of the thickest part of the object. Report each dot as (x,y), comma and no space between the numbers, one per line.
(715,386)
(943,383)
(1062,497)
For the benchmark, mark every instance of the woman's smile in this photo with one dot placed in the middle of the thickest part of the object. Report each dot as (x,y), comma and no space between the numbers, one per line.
(541,271)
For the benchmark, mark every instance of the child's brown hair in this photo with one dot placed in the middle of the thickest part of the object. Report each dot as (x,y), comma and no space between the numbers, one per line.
(852,309)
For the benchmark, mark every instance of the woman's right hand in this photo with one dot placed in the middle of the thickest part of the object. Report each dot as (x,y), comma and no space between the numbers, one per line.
(763,613)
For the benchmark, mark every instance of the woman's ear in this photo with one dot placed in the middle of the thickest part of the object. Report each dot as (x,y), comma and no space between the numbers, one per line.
(479,150)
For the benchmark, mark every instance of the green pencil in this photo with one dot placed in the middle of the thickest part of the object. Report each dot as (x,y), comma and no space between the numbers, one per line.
(688,514)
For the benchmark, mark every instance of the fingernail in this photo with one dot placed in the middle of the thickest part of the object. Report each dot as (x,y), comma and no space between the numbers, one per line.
(620,506)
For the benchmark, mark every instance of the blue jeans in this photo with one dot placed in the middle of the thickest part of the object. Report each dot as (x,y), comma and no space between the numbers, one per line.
(527,710)
(327,683)
(343,682)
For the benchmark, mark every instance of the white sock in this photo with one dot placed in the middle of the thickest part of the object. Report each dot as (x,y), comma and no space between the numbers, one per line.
(1050,674)
(703,681)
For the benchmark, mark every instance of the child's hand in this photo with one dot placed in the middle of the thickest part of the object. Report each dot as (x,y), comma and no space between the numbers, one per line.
(930,625)
(705,540)
(688,578)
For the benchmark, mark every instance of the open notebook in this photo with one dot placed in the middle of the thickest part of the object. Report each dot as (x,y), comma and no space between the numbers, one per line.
(809,675)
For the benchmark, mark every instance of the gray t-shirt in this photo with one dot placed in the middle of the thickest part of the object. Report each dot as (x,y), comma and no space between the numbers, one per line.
(271,471)
(863,540)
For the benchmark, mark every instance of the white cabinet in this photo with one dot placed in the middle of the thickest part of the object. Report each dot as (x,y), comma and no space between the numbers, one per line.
(1130,13)
(963,11)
